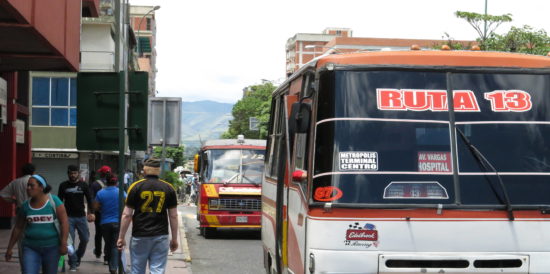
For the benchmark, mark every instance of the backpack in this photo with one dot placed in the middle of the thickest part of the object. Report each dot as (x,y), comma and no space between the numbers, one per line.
(101,183)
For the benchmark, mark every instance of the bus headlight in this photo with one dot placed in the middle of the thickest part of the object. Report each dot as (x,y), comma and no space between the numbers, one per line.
(214,204)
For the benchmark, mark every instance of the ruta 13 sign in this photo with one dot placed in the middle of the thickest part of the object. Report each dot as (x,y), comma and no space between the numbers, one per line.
(463,100)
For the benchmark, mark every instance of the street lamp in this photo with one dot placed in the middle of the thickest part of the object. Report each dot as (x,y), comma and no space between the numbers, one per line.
(139,26)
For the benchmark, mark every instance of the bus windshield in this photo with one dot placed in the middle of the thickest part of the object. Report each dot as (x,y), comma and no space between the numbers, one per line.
(235,166)
(386,137)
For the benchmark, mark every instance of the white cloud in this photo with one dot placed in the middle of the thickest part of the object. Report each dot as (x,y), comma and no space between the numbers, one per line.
(213,49)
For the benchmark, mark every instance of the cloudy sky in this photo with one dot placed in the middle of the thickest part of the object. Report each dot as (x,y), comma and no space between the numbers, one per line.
(212,49)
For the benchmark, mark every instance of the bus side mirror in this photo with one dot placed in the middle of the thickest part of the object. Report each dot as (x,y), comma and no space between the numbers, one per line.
(300,117)
(196,163)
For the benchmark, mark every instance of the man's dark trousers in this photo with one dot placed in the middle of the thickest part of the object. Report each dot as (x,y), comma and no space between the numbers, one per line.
(110,234)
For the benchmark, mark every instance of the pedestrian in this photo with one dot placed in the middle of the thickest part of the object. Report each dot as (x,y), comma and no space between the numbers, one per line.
(74,193)
(107,202)
(43,241)
(16,192)
(151,205)
(96,186)
(128,178)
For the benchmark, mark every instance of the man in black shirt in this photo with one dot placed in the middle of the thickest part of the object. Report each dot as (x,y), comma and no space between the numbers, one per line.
(73,192)
(151,204)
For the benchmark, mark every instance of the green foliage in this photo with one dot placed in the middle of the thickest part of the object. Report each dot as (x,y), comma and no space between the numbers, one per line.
(478,21)
(451,42)
(175,153)
(255,103)
(524,40)
(172,178)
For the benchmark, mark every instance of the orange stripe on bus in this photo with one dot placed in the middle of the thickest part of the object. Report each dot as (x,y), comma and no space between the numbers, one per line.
(210,191)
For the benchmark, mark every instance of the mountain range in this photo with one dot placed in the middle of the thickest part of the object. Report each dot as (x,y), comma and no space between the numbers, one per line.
(203,120)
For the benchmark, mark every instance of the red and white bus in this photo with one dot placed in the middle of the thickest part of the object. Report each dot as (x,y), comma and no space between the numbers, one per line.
(410,162)
(230,177)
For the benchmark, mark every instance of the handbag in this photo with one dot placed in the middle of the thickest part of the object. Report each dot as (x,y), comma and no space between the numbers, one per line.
(70,248)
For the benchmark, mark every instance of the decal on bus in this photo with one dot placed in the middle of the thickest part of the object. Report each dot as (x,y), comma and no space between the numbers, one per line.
(464,100)
(359,160)
(434,161)
(327,194)
(361,235)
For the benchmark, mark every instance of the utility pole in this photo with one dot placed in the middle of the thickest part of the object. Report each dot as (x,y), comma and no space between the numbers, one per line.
(121,52)
(485,22)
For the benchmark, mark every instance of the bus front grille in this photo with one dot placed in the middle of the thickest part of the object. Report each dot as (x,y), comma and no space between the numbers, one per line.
(240,204)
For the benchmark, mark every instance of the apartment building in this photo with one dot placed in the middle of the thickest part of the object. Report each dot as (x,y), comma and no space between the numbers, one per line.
(304,47)
(143,22)
(54,95)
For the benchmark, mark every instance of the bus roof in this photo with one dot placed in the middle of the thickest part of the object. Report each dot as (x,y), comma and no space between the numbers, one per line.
(425,58)
(439,58)
(234,143)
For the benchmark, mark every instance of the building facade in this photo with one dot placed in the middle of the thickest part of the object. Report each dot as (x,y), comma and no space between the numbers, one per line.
(54,95)
(143,22)
(36,35)
(304,47)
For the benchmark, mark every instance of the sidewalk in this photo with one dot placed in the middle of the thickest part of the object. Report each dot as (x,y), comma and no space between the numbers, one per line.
(90,264)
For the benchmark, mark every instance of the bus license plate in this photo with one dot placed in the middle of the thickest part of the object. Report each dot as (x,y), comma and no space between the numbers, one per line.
(242,219)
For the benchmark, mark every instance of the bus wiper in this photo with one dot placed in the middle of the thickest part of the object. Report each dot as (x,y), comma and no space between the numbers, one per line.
(231,179)
(483,162)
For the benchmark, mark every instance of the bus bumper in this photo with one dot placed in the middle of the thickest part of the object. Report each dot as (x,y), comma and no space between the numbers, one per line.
(230,220)
(336,261)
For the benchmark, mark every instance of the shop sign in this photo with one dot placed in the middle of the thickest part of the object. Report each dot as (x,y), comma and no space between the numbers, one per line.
(4,101)
(55,155)
(19,131)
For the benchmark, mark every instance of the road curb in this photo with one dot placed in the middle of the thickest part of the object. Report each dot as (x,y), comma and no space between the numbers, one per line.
(183,239)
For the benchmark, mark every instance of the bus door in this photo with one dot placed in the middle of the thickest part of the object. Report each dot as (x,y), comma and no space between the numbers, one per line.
(281,150)
(297,189)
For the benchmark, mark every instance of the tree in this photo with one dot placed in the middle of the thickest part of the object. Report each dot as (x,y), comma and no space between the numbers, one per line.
(174,153)
(172,178)
(255,103)
(523,40)
(478,21)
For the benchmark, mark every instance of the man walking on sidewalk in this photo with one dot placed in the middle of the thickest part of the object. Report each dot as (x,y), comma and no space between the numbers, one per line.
(96,186)
(106,201)
(16,190)
(72,192)
(151,204)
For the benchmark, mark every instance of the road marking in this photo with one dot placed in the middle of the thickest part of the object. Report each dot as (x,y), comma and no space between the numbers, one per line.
(183,239)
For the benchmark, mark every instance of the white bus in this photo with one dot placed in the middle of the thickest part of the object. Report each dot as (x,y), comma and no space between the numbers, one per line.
(410,162)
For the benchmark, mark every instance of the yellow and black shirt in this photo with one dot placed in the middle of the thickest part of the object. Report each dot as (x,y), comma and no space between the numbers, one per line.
(150,198)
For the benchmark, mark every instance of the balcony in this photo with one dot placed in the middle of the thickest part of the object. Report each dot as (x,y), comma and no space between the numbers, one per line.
(39,35)
(95,61)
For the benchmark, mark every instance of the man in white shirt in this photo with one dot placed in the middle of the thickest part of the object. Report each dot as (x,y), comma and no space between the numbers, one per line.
(16,190)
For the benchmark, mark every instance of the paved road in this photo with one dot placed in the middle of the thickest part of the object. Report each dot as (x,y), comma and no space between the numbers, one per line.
(229,251)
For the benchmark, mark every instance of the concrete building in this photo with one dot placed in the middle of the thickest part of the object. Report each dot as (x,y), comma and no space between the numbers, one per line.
(304,47)
(54,98)
(36,35)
